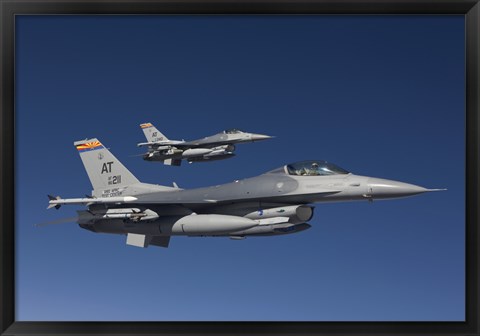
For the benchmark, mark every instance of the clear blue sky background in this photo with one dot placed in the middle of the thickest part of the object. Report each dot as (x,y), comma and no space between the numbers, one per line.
(380,96)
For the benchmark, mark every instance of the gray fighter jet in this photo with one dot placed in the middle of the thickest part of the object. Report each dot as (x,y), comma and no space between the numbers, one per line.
(275,203)
(216,147)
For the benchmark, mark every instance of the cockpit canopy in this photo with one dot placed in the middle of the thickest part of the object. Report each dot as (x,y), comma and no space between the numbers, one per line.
(233,131)
(314,168)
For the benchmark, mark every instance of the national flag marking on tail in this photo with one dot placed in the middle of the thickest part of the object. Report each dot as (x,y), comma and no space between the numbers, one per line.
(88,146)
(146,125)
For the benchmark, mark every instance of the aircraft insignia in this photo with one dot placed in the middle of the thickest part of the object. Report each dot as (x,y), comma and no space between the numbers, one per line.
(90,146)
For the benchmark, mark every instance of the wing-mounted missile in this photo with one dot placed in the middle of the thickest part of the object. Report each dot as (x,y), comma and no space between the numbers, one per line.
(160,148)
(133,214)
(160,152)
(174,151)
(56,202)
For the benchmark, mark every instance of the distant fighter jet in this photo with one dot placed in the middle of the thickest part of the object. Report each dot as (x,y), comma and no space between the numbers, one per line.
(275,203)
(216,147)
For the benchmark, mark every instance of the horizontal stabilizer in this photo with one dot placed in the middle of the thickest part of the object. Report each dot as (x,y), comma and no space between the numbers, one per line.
(144,241)
(172,162)
(160,241)
(138,240)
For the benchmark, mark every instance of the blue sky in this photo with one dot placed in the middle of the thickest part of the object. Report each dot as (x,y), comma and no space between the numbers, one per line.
(380,96)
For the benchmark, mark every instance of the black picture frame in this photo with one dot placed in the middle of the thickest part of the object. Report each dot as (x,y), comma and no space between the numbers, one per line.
(10,8)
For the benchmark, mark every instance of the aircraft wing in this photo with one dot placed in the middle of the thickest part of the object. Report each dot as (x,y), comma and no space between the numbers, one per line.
(161,143)
(202,143)
(190,144)
(167,145)
(209,141)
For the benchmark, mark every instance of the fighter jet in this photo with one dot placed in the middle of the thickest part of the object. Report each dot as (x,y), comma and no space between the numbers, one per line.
(216,147)
(275,203)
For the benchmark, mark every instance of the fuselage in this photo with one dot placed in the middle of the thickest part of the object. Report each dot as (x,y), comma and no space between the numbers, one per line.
(277,202)
(283,186)
(215,147)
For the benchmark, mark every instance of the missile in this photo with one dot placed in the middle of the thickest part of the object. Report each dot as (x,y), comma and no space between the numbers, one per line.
(160,148)
(174,151)
(56,202)
(136,215)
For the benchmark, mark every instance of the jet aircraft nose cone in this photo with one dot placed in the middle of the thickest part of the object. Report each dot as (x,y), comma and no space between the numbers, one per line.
(381,188)
(256,137)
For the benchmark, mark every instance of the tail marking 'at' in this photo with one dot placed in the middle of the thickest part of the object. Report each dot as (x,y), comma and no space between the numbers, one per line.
(152,133)
(106,173)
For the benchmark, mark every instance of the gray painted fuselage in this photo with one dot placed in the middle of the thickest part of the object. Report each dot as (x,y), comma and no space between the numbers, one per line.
(278,187)
(272,190)
(211,148)
(275,203)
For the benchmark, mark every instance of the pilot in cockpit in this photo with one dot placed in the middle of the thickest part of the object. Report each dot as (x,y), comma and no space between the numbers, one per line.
(314,170)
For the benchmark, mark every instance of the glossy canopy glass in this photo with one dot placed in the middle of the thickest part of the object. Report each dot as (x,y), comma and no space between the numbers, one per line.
(233,131)
(314,168)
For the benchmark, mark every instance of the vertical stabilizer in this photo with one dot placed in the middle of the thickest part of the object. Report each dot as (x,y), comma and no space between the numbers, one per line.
(152,133)
(103,168)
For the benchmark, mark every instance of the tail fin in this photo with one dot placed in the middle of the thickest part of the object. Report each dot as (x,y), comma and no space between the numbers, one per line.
(56,206)
(152,133)
(103,168)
